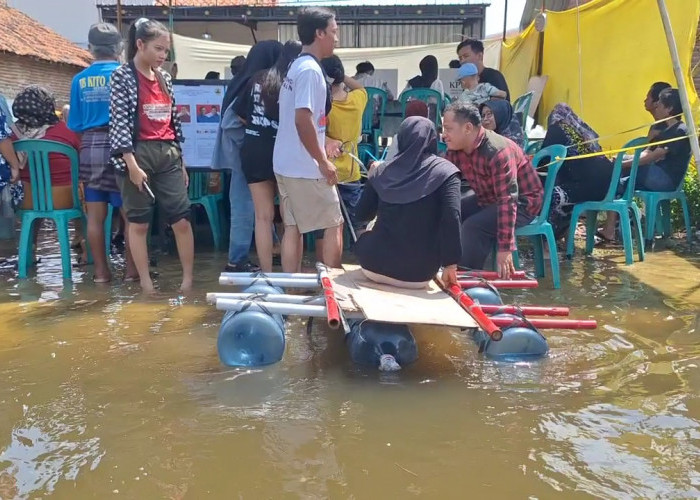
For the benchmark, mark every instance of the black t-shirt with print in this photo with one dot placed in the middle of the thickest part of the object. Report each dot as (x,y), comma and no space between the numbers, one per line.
(675,163)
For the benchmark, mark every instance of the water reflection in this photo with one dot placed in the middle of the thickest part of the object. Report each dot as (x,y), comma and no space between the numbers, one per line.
(108,393)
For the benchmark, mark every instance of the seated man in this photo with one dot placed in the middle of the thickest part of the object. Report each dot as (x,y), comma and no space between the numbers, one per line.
(507,190)
(472,51)
(651,104)
(661,168)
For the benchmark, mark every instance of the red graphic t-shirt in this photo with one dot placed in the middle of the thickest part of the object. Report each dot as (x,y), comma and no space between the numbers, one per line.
(154,111)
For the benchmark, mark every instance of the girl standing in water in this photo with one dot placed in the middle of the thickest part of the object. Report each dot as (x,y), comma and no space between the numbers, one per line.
(258,109)
(145,137)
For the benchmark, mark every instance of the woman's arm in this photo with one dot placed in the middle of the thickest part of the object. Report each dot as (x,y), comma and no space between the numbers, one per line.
(366,208)
(121,115)
(450,221)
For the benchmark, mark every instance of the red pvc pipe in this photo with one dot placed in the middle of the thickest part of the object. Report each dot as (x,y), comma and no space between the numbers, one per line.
(332,309)
(541,323)
(488,275)
(526,310)
(475,312)
(466,283)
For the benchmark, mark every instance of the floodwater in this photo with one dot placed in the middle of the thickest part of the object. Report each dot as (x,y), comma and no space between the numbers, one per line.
(106,394)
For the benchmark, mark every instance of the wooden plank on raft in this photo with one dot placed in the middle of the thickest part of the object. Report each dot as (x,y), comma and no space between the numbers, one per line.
(388,304)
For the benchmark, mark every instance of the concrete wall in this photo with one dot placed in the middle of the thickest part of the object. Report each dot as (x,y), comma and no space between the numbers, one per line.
(19,71)
(69,18)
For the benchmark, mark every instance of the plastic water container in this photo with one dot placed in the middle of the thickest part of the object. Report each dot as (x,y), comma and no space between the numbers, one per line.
(519,343)
(373,343)
(484,295)
(252,337)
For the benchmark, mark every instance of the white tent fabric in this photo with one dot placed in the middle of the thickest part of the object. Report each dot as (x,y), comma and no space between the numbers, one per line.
(195,57)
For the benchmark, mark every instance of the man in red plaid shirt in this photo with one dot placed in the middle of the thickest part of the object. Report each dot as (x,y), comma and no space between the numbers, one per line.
(507,190)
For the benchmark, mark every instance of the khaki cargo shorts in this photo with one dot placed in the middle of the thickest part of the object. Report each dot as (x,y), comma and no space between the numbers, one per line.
(309,204)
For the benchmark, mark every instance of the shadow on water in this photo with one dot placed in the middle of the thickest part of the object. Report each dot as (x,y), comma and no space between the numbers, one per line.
(109,393)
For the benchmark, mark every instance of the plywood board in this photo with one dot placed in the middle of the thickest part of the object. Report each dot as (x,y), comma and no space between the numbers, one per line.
(536,85)
(388,304)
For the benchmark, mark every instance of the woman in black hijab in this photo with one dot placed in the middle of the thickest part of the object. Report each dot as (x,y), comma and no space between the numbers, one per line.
(415,198)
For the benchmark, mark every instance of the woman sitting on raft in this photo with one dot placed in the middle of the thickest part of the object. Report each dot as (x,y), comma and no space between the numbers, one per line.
(415,198)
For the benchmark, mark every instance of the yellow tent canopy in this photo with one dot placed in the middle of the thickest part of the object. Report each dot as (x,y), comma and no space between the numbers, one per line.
(602,58)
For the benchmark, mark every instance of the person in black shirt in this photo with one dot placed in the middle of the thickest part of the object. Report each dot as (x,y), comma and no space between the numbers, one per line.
(416,200)
(662,167)
(258,109)
(472,51)
(651,104)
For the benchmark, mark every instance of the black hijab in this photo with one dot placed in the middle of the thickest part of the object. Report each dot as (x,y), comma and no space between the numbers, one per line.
(416,171)
(262,55)
(429,73)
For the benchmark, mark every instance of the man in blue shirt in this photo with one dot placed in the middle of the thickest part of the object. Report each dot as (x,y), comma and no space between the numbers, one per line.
(89,115)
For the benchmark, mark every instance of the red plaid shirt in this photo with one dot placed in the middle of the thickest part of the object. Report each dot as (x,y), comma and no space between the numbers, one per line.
(499,173)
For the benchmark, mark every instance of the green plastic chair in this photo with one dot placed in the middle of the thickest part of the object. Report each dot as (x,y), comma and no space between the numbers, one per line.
(612,202)
(42,201)
(659,203)
(429,97)
(198,193)
(374,94)
(540,226)
(521,106)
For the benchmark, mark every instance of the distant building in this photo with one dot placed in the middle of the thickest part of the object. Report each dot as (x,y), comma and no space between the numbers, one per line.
(31,53)
(407,22)
(69,18)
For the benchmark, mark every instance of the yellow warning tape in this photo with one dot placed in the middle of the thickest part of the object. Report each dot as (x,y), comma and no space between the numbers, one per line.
(615,151)
(605,137)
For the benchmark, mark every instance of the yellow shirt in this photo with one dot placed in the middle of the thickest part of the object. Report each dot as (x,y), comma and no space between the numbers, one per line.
(345,124)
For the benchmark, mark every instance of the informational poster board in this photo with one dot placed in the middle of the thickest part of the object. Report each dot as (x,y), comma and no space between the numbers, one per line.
(450,82)
(199,106)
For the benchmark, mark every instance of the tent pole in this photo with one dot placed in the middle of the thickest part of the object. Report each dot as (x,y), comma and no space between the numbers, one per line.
(682,90)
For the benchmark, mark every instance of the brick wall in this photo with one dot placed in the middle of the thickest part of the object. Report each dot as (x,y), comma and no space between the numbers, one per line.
(18,71)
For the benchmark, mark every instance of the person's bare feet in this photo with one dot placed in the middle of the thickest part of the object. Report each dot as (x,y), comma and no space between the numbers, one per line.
(186,285)
(147,286)
(102,278)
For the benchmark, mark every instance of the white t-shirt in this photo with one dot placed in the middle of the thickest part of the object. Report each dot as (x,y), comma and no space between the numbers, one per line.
(304,87)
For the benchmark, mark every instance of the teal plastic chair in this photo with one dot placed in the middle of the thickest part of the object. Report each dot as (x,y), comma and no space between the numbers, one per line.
(374,95)
(658,203)
(198,192)
(42,201)
(540,226)
(612,202)
(521,107)
(442,148)
(428,96)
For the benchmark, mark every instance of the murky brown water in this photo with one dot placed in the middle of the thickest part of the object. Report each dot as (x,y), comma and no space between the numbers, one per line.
(106,394)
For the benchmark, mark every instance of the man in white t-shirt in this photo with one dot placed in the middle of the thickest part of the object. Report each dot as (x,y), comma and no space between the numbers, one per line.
(305,177)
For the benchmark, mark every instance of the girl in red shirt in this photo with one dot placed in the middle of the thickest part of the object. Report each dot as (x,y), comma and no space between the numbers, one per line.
(145,137)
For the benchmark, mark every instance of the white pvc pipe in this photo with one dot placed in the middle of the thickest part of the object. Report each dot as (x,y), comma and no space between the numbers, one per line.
(271,275)
(272,307)
(270,280)
(268,297)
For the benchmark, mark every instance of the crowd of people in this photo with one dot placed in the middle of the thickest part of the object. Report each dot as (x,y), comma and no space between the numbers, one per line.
(289,127)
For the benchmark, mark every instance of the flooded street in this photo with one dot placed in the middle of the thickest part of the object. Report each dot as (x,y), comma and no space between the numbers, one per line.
(106,394)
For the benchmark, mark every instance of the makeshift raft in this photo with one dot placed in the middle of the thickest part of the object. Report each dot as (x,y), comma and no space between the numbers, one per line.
(376,317)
